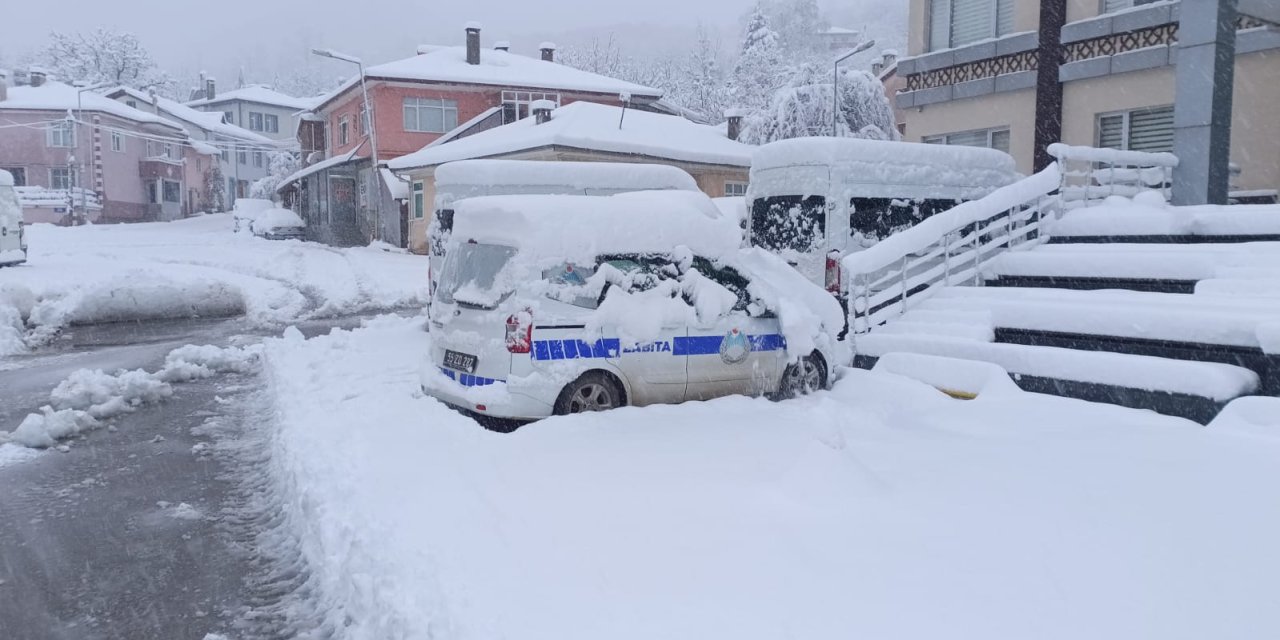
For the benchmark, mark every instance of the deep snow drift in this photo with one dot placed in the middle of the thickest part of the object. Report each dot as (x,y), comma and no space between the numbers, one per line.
(192,268)
(881,509)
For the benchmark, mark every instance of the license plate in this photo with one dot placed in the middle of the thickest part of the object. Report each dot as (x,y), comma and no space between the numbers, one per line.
(464,362)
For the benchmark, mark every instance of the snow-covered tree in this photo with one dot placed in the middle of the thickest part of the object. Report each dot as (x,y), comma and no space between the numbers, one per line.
(707,90)
(102,55)
(215,184)
(759,71)
(804,108)
(798,23)
(282,164)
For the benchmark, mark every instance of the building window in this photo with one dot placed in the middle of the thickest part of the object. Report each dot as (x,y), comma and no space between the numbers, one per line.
(255,121)
(1116,5)
(226,157)
(19,175)
(1149,129)
(62,134)
(515,104)
(271,123)
(419,202)
(429,115)
(229,116)
(241,156)
(117,142)
(734,189)
(62,178)
(161,150)
(344,130)
(257,158)
(955,23)
(364,121)
(172,191)
(133,104)
(997,139)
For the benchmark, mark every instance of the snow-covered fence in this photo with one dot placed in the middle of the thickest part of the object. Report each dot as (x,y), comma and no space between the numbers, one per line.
(947,249)
(36,196)
(1090,174)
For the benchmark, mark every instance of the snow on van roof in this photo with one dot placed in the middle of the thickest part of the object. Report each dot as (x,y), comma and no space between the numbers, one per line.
(880,162)
(576,175)
(579,228)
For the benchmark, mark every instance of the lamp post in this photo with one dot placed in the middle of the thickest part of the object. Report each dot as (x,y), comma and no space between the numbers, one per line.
(84,204)
(835,81)
(372,134)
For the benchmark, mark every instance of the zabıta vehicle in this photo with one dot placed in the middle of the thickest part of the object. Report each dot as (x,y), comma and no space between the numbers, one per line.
(815,200)
(13,241)
(473,178)
(553,305)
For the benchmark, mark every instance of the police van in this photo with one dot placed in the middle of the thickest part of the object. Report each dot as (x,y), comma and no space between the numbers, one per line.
(814,200)
(551,305)
(13,241)
(456,181)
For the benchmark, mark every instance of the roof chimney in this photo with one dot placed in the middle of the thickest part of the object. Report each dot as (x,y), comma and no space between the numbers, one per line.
(37,77)
(877,67)
(548,51)
(541,110)
(735,116)
(4,85)
(889,57)
(502,45)
(473,43)
(210,88)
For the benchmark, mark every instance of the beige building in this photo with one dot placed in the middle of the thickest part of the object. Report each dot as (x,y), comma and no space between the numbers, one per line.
(974,76)
(583,132)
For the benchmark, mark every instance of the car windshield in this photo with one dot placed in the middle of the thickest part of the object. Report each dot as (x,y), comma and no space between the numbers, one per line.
(470,275)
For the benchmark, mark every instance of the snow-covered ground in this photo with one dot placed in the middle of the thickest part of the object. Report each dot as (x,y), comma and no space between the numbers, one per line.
(881,509)
(191,268)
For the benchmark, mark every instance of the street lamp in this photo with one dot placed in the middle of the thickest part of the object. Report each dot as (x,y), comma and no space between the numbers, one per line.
(84,203)
(372,136)
(835,81)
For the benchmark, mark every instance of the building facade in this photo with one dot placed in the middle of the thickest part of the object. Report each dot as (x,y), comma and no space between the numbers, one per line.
(137,165)
(1018,74)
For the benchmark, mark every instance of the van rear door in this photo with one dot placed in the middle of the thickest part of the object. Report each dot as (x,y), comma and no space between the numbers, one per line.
(795,229)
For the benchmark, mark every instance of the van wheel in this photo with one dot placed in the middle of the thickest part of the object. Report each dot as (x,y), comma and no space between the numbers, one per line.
(802,377)
(594,391)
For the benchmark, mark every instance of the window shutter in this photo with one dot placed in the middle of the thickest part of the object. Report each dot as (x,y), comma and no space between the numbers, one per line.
(972,20)
(1000,140)
(1111,132)
(968,139)
(1115,5)
(939,24)
(1151,130)
(1004,17)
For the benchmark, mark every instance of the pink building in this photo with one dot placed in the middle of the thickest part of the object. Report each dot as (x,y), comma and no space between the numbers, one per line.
(137,165)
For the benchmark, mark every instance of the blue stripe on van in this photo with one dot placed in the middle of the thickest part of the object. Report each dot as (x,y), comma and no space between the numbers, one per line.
(468,380)
(575,349)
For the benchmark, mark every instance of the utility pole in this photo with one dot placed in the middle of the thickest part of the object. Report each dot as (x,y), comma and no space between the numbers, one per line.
(371,134)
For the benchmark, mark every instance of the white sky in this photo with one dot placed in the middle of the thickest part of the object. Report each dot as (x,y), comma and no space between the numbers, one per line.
(264,35)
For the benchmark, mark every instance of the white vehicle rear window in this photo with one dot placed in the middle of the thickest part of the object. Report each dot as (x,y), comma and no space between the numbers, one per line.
(471,273)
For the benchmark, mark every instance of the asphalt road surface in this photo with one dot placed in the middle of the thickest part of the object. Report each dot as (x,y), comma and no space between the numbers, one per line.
(162,525)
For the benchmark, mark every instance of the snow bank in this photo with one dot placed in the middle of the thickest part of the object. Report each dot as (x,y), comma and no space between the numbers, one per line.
(1147,214)
(950,375)
(881,509)
(1254,416)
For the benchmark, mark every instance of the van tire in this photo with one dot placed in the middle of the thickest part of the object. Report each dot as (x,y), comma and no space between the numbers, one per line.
(593,391)
(800,378)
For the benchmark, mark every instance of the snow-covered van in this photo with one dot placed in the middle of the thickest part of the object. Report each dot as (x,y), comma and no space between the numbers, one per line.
(472,178)
(814,200)
(13,241)
(551,305)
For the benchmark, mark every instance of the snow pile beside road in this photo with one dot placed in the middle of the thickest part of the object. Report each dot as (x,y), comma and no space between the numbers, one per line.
(881,509)
(192,268)
(88,396)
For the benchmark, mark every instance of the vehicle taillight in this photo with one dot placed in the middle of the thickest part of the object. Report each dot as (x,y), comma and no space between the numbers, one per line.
(520,332)
(833,272)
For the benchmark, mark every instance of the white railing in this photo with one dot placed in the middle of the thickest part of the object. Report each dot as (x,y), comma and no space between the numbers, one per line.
(36,196)
(947,249)
(1090,174)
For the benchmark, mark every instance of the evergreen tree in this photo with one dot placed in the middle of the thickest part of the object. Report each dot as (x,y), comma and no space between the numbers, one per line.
(756,75)
(708,93)
(215,200)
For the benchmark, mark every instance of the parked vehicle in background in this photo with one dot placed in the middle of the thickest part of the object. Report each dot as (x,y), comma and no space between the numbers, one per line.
(278,224)
(457,181)
(815,200)
(246,210)
(13,241)
(552,305)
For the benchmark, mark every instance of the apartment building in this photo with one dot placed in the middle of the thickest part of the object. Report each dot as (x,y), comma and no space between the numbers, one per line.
(975,76)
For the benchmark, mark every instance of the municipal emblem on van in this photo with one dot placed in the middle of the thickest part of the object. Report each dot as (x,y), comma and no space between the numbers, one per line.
(735,347)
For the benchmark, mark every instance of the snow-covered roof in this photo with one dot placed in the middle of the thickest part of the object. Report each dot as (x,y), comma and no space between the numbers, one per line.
(210,121)
(319,166)
(204,148)
(593,127)
(496,68)
(578,228)
(57,96)
(577,175)
(259,94)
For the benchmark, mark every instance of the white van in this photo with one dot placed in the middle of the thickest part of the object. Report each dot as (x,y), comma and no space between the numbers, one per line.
(457,181)
(13,241)
(814,200)
(551,305)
